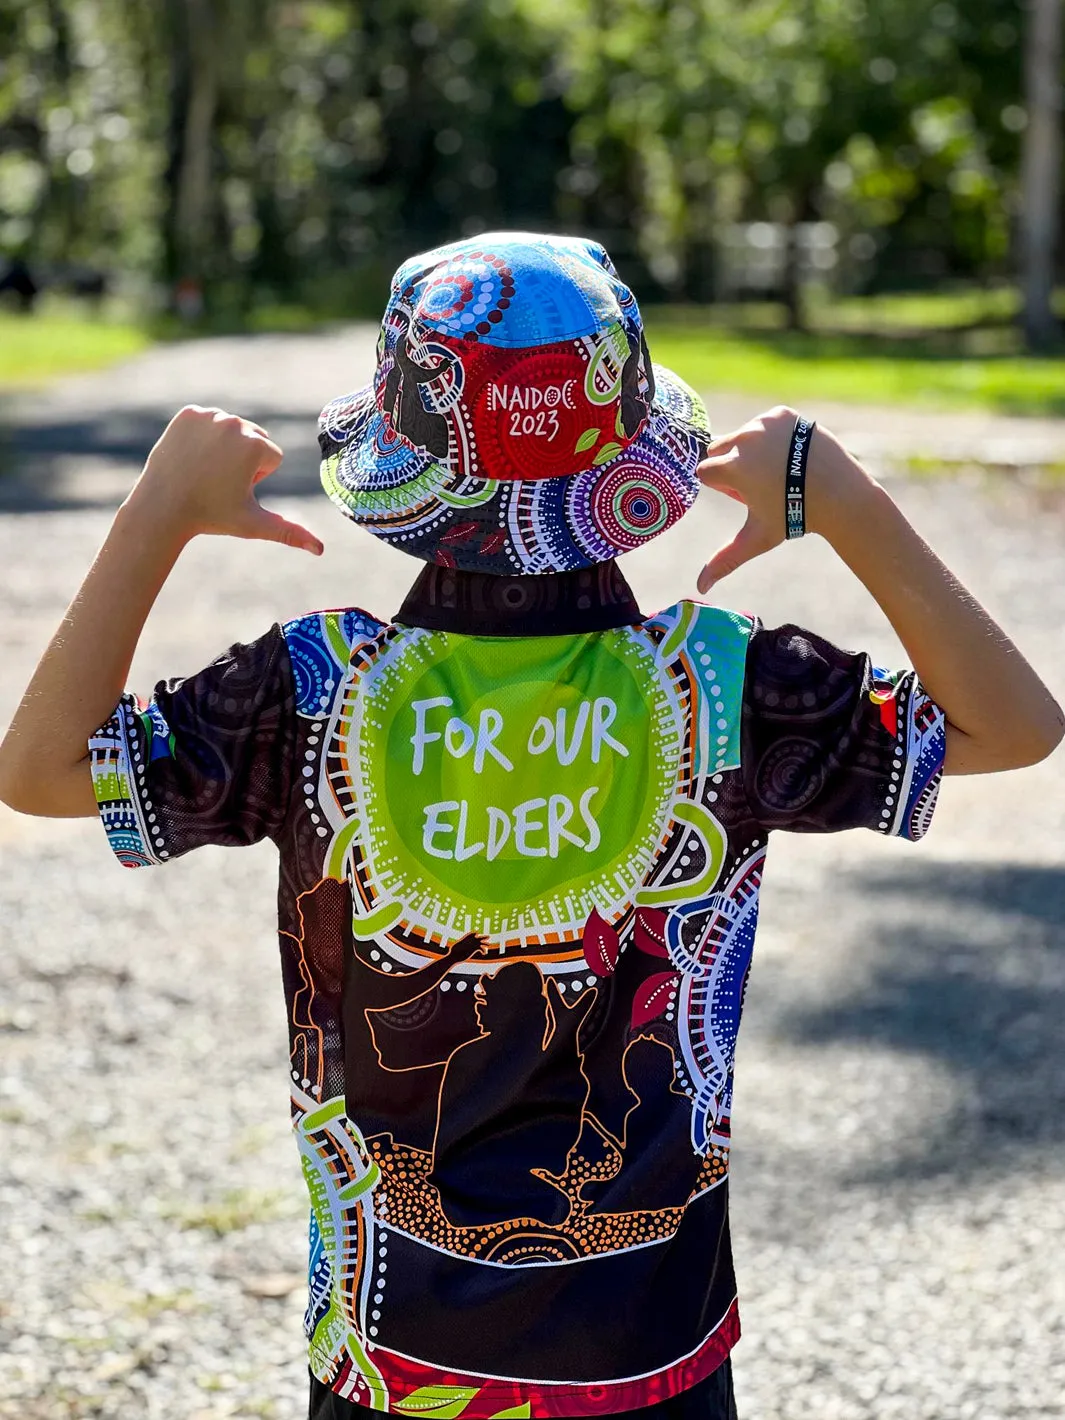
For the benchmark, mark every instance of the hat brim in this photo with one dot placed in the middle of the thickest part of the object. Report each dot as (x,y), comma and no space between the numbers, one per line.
(409,499)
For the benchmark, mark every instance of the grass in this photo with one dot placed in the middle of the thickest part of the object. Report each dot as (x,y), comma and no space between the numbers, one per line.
(62,339)
(271,319)
(919,310)
(1046,478)
(882,351)
(66,337)
(945,349)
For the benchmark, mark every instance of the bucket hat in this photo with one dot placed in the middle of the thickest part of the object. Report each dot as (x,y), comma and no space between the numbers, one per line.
(515,422)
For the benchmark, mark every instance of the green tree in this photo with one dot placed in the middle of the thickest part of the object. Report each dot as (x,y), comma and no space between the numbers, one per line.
(277,149)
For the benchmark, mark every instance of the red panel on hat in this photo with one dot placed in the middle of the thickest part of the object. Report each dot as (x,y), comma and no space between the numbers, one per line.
(526,414)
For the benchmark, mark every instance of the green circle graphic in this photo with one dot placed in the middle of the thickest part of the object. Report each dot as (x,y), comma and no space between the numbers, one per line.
(511,784)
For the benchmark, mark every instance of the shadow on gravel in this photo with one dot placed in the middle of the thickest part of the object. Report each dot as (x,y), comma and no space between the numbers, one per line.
(971,973)
(38,459)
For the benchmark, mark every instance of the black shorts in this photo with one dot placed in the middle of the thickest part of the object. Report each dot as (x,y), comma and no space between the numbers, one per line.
(710,1399)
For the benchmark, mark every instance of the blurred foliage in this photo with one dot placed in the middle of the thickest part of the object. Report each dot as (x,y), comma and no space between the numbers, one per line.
(894,119)
(293,150)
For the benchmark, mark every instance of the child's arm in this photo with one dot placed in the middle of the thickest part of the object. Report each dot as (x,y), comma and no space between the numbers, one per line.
(199,478)
(999,713)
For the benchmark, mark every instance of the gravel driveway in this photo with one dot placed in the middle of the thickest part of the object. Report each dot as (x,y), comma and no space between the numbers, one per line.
(898,1193)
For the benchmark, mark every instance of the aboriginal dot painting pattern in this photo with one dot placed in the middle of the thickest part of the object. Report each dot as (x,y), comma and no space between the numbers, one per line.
(515,422)
(512,1046)
(601,1184)
(430,911)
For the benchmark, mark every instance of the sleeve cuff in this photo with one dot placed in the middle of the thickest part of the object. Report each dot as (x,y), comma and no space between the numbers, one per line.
(918,764)
(118,760)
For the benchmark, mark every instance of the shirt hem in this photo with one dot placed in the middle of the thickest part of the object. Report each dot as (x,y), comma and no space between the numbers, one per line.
(399,1379)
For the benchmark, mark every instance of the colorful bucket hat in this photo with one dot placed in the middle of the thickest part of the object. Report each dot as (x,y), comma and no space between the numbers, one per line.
(515,422)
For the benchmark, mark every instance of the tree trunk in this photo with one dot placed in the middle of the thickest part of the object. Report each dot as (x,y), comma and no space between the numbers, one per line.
(792,293)
(1041,178)
(791,290)
(63,189)
(194,99)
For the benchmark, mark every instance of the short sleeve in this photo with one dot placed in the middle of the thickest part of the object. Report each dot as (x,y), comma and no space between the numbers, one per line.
(830,741)
(207,760)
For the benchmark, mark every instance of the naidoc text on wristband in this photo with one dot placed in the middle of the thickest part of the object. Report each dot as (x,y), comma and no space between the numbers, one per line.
(798,453)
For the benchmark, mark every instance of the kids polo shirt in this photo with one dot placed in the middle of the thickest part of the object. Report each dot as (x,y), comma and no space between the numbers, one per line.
(521,832)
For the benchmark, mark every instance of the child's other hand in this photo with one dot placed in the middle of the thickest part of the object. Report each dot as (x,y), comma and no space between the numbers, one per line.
(750,465)
(201,475)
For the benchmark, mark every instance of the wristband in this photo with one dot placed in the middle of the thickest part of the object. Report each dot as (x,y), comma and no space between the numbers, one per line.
(795,484)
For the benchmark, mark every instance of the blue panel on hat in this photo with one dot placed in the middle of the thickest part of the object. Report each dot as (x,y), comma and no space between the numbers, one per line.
(514,290)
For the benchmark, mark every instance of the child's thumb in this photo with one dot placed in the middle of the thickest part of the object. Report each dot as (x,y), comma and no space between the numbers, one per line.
(272,527)
(748,543)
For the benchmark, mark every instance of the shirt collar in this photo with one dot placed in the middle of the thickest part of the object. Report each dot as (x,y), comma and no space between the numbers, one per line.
(550,604)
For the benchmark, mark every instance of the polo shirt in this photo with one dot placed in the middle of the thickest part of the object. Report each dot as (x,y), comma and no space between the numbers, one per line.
(521,831)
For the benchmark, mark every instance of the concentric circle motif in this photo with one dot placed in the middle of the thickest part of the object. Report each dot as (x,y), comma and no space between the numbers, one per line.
(630,504)
(406,794)
(448,296)
(620,506)
(640,508)
(457,302)
(313,670)
(388,449)
(790,775)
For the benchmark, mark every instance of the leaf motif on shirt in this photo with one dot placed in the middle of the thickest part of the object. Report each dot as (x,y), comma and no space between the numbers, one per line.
(653,996)
(649,931)
(586,441)
(444,1401)
(518,1412)
(600,945)
(461,532)
(493,543)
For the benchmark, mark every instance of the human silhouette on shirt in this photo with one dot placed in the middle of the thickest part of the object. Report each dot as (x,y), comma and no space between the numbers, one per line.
(511,1100)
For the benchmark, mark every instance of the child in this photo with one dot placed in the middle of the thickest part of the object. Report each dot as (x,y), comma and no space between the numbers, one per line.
(521,826)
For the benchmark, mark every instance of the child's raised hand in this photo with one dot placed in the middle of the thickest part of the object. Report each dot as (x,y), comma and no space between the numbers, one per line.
(750,465)
(201,477)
